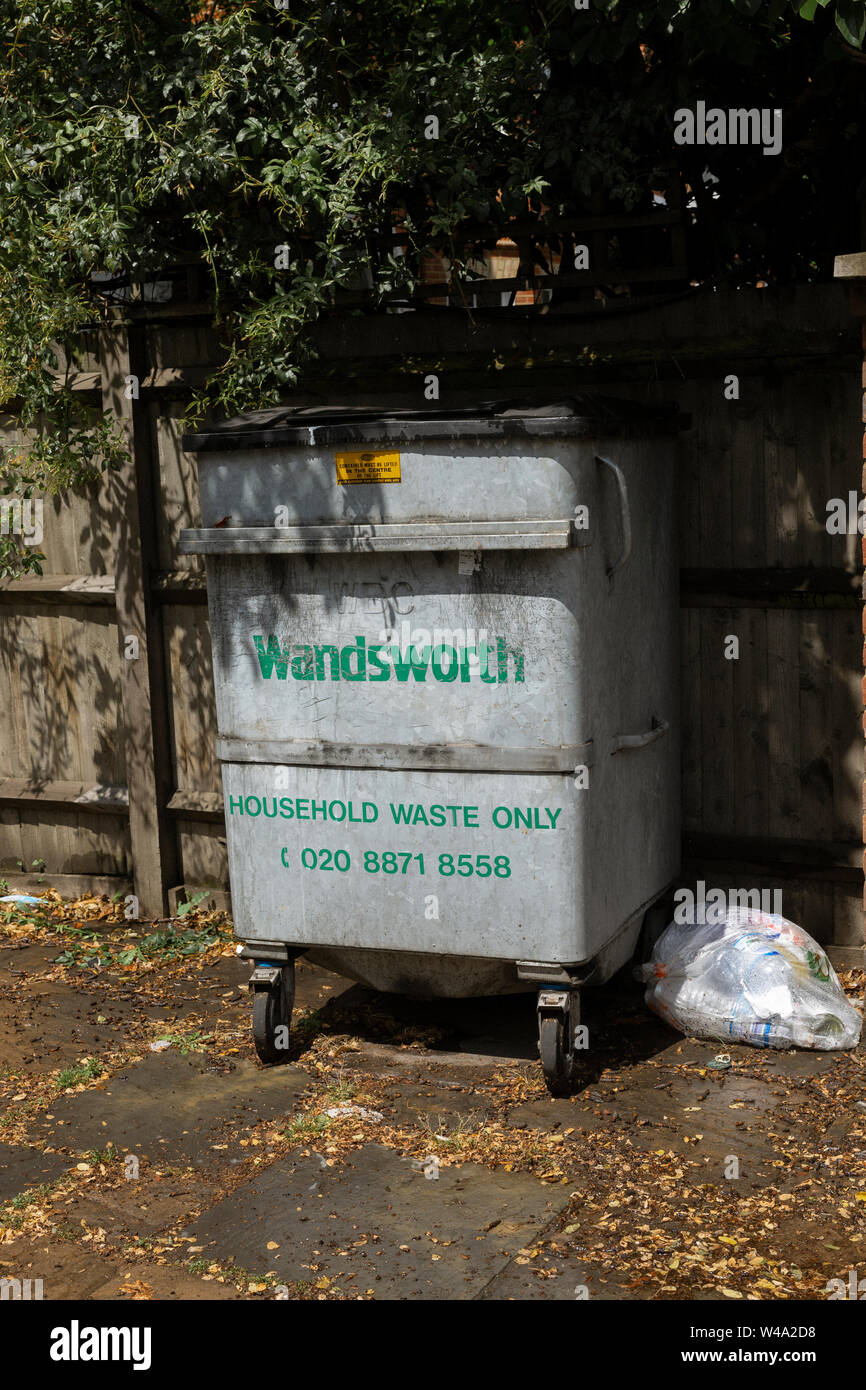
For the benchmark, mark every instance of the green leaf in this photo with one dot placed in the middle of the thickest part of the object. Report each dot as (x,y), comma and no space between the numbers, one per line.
(851,21)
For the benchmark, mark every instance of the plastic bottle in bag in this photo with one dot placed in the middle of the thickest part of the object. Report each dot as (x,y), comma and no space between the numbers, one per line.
(751,977)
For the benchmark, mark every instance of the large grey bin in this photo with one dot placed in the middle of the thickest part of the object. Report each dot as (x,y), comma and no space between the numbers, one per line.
(446,660)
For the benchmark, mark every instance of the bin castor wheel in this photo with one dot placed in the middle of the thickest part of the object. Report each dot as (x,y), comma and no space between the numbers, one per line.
(273,1000)
(558,1018)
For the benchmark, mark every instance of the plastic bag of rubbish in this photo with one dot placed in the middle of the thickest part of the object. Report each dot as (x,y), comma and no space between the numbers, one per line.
(751,977)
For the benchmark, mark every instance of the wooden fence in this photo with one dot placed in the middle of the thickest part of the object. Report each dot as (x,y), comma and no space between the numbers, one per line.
(107,765)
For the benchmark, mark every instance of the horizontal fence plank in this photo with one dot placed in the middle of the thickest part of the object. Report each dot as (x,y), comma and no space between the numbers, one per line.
(179,586)
(805,587)
(835,861)
(95,796)
(99,590)
(197,804)
(573,280)
(63,588)
(71,885)
(161,379)
(778,587)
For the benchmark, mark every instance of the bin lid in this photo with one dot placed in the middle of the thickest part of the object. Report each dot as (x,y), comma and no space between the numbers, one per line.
(589,416)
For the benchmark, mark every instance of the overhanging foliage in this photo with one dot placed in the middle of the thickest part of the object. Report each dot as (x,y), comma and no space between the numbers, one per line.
(135,136)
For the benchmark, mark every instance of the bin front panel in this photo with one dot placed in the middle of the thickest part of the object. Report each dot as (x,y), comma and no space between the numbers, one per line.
(446,863)
(478,481)
(399,650)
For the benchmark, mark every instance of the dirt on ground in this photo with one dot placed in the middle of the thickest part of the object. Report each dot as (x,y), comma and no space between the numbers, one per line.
(406,1149)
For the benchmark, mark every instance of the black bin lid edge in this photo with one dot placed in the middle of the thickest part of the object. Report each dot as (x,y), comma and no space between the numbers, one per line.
(584,414)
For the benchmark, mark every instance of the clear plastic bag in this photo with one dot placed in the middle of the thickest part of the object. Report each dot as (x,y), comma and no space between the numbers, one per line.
(752,977)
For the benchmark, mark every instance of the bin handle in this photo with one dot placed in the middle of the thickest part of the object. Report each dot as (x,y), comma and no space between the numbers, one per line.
(624,741)
(625,512)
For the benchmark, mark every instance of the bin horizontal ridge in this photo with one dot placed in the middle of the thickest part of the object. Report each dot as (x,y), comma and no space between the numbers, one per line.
(433,757)
(384,536)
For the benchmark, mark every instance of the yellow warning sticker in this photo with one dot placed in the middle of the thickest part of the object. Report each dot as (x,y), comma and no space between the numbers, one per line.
(372,467)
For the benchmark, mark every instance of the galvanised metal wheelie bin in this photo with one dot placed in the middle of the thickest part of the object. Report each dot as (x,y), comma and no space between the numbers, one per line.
(446,656)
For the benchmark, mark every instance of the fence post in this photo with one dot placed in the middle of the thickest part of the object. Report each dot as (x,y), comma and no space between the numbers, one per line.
(852,270)
(142,669)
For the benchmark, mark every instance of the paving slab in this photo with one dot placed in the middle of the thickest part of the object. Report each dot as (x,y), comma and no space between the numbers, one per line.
(433,1067)
(21,1168)
(161,1284)
(46,1024)
(139,1207)
(376,1222)
(707,1118)
(445,1107)
(70,1272)
(67,1270)
(170,1107)
(554,1278)
(23,958)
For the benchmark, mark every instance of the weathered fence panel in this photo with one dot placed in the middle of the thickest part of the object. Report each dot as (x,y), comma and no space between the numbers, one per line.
(773,743)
